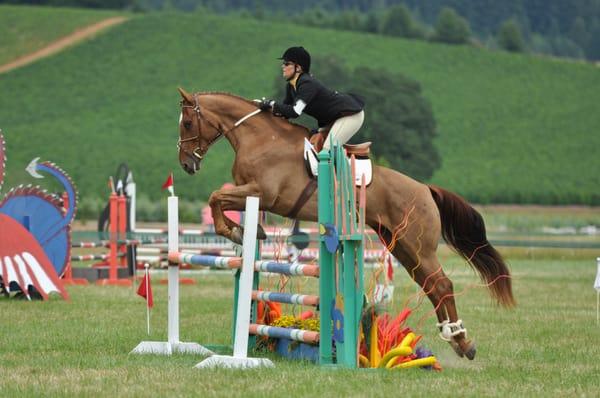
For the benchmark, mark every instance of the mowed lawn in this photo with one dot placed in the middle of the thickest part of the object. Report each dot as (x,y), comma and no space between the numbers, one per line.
(546,346)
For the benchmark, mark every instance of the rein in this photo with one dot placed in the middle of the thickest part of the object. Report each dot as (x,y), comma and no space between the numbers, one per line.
(200,151)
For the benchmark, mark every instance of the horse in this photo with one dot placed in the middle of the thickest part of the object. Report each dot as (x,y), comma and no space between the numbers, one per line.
(408,215)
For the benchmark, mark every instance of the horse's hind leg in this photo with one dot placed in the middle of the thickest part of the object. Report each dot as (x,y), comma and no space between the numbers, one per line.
(429,275)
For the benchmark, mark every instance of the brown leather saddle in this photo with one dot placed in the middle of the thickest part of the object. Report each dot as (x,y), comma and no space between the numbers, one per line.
(360,151)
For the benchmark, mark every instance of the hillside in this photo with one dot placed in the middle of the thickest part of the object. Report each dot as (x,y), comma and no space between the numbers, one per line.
(24,30)
(512,128)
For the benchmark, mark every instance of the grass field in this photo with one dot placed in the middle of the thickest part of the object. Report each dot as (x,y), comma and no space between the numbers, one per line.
(546,346)
(512,128)
(27,29)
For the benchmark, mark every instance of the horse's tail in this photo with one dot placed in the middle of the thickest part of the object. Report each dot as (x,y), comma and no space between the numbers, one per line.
(463,229)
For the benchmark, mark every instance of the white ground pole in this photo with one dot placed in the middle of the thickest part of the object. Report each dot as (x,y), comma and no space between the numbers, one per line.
(240,349)
(173,345)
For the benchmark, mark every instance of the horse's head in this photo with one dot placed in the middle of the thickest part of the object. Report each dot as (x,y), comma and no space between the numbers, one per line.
(196,133)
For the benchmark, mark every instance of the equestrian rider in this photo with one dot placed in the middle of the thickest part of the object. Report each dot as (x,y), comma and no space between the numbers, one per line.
(340,114)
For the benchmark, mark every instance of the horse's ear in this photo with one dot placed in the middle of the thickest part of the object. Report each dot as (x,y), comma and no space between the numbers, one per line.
(185,95)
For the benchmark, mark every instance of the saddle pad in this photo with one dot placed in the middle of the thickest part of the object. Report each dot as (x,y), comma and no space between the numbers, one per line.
(363,166)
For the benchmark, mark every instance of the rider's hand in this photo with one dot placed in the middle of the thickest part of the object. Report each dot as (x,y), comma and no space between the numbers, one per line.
(265,104)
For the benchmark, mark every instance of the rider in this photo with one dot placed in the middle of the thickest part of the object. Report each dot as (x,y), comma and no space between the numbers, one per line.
(340,114)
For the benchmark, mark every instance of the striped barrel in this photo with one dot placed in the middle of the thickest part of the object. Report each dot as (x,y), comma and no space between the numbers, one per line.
(302,299)
(305,336)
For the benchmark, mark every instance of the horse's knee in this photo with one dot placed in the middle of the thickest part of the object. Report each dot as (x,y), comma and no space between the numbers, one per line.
(222,229)
(213,199)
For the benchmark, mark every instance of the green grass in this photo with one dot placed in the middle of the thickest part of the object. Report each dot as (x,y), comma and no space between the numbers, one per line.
(24,30)
(546,346)
(543,347)
(512,128)
(537,219)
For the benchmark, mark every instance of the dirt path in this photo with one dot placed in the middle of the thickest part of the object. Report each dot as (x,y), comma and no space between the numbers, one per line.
(60,44)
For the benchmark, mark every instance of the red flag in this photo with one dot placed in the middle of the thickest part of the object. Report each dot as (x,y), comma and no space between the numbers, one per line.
(169,184)
(145,290)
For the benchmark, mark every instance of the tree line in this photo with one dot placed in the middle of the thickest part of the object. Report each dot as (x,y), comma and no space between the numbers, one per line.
(564,28)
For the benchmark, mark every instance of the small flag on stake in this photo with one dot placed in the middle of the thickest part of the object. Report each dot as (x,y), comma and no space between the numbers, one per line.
(145,290)
(169,184)
(597,287)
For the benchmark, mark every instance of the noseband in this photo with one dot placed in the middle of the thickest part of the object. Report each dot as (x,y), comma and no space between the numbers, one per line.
(200,150)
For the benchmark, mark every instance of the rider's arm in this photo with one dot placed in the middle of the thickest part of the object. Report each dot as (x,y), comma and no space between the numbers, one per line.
(306,91)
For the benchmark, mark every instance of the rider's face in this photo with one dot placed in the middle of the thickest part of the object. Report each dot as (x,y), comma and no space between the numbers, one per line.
(288,69)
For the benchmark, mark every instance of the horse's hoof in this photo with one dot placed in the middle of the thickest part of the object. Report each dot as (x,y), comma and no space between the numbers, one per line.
(457,349)
(237,235)
(470,353)
(260,233)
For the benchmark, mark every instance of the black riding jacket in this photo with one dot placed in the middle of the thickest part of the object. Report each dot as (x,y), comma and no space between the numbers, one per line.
(321,103)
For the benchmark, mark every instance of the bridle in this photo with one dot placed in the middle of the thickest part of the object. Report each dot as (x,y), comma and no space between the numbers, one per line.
(200,151)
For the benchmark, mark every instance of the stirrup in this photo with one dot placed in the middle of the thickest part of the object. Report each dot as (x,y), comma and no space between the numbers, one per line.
(449,330)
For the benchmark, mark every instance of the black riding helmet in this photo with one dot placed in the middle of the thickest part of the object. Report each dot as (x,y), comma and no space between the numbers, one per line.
(297,55)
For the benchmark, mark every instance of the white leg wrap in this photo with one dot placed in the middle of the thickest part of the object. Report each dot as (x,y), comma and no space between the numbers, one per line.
(448,330)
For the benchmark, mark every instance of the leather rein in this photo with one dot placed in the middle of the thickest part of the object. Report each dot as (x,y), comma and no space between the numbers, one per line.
(200,151)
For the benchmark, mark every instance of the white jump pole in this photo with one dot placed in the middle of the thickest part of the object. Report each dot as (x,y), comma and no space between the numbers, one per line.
(597,287)
(240,349)
(173,345)
(130,189)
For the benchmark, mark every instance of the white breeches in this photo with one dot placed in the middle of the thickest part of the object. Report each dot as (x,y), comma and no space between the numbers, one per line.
(344,128)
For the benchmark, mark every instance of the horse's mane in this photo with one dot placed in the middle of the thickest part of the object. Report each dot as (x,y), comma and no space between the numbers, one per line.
(250,102)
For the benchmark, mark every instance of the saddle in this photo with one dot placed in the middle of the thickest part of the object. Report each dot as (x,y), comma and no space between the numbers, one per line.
(363,165)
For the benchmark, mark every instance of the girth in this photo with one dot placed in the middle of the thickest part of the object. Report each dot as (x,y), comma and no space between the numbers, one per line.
(306,193)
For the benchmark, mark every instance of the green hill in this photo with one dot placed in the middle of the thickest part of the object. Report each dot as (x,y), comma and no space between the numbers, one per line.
(512,128)
(27,29)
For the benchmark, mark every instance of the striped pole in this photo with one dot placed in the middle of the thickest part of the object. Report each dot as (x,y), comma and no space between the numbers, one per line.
(304,336)
(288,298)
(236,262)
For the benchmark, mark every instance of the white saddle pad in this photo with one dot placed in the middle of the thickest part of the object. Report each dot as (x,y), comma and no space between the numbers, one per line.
(363,166)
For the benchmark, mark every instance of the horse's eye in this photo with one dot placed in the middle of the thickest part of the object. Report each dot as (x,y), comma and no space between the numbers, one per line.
(187,124)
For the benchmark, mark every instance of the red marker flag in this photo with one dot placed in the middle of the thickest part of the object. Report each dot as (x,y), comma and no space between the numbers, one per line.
(145,289)
(169,184)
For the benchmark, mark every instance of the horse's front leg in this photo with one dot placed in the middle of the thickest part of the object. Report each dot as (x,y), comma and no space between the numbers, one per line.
(232,199)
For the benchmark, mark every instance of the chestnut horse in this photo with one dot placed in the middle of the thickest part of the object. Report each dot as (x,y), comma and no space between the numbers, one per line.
(408,215)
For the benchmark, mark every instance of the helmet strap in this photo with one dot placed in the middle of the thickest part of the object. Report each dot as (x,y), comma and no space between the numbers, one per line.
(296,74)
